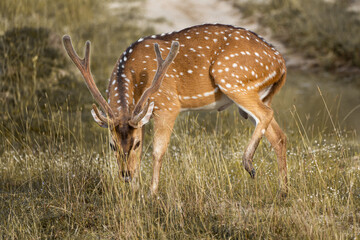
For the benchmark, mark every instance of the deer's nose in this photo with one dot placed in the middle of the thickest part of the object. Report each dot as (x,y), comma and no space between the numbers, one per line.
(126,176)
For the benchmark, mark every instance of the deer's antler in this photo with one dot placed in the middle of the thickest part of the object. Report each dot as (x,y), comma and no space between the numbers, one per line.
(142,106)
(84,66)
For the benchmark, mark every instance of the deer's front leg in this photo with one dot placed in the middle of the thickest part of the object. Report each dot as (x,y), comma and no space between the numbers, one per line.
(163,124)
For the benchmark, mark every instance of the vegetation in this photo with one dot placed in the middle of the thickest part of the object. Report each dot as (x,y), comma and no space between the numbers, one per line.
(325,31)
(35,73)
(74,190)
(59,178)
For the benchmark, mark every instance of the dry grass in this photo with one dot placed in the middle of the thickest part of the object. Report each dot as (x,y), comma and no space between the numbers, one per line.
(36,73)
(59,179)
(70,187)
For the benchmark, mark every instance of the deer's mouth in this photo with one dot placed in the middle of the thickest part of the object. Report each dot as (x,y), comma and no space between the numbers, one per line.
(126,176)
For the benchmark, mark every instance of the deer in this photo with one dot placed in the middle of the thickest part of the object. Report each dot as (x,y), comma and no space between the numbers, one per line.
(207,67)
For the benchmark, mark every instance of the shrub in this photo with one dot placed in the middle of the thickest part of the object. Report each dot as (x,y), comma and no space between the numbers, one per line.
(326,31)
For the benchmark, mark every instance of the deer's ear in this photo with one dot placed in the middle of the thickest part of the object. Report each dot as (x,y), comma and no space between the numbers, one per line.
(98,120)
(147,116)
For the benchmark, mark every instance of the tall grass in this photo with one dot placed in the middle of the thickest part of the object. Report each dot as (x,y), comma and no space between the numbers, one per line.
(74,190)
(36,76)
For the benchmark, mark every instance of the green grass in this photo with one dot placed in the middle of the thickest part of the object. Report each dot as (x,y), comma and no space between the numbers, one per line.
(70,187)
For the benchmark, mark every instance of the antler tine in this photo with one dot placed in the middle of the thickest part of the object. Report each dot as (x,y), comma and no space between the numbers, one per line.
(158,54)
(84,66)
(141,107)
(100,116)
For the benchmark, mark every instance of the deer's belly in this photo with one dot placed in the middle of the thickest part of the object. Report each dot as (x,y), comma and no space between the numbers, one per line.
(220,104)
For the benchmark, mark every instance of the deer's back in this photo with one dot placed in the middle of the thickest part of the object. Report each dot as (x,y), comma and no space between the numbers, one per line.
(208,55)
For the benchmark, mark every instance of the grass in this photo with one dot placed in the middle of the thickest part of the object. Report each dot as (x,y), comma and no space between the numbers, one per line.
(326,31)
(70,187)
(35,71)
(59,178)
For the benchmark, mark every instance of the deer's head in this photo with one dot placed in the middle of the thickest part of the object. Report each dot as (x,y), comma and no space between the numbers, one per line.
(126,128)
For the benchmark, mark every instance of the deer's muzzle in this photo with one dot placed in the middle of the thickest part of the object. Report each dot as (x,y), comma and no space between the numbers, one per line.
(126,176)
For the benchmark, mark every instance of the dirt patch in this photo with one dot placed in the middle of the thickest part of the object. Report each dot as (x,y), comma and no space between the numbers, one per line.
(179,14)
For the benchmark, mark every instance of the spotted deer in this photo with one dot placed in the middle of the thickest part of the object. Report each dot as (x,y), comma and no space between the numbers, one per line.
(208,67)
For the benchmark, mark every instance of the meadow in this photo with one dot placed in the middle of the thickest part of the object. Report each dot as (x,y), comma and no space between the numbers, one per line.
(71,187)
(59,178)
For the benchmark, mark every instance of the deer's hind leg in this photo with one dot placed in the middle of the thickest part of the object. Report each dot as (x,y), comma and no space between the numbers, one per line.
(277,139)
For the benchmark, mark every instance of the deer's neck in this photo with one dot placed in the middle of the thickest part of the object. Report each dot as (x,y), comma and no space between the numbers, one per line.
(121,88)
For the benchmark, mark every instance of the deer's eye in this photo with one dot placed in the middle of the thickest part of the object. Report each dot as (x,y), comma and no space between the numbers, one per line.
(137,145)
(112,146)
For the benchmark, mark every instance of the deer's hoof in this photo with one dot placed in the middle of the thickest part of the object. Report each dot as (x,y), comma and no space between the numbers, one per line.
(252,173)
